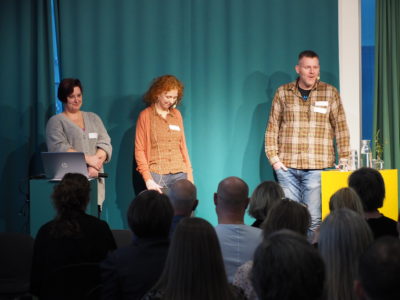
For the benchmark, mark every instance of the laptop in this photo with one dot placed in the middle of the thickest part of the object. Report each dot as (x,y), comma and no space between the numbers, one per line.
(57,164)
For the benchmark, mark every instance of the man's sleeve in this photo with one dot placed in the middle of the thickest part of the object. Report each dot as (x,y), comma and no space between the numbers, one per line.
(339,124)
(272,132)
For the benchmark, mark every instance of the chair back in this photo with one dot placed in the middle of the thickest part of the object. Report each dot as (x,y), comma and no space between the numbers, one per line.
(71,282)
(16,251)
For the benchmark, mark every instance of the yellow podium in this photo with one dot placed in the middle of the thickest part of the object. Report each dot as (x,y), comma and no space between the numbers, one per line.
(331,181)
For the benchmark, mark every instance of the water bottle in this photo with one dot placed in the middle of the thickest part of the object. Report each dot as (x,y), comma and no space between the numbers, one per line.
(366,154)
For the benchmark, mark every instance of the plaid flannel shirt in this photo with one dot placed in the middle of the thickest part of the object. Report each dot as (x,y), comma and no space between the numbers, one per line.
(301,133)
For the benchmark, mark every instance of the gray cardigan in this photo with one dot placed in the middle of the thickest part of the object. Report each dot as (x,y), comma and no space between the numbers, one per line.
(62,135)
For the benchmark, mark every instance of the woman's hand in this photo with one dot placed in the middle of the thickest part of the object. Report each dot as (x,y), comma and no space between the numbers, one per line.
(94,161)
(151,185)
(93,172)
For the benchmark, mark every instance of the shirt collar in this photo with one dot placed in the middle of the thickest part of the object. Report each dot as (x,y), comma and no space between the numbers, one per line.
(293,86)
(155,113)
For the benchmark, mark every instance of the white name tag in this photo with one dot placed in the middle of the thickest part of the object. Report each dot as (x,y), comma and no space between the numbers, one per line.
(320,110)
(174,127)
(321,103)
(93,135)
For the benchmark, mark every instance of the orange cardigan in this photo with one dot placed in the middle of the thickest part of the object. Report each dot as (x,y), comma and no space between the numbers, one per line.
(143,144)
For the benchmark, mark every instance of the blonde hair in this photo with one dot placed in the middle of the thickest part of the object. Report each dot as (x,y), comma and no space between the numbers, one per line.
(346,198)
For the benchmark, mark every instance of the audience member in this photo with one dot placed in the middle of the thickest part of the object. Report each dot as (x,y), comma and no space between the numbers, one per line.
(238,241)
(183,197)
(72,237)
(129,272)
(287,267)
(379,271)
(264,196)
(285,214)
(346,198)
(344,236)
(369,185)
(194,268)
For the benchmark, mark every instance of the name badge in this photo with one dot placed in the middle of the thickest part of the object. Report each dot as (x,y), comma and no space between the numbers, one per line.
(174,127)
(320,110)
(93,135)
(321,103)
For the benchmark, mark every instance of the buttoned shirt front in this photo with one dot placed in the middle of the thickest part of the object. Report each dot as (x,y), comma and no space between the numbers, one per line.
(166,135)
(301,133)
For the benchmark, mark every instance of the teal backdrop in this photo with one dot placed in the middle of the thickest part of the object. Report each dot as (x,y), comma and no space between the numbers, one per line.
(26,102)
(231,56)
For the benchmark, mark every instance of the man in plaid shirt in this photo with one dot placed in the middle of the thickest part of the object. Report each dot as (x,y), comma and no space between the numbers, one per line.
(306,117)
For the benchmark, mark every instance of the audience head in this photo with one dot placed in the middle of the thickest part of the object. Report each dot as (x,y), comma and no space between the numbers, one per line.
(379,270)
(369,185)
(264,196)
(344,236)
(194,268)
(150,215)
(161,85)
(232,196)
(287,214)
(183,197)
(346,198)
(287,267)
(72,194)
(66,88)
(70,198)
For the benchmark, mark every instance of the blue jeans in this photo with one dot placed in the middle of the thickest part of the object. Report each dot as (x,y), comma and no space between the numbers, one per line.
(303,186)
(167,180)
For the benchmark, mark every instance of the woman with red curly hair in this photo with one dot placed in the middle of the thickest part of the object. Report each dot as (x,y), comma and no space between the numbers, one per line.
(160,147)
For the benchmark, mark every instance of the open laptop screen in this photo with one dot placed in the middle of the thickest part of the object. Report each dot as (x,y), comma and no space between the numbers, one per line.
(57,164)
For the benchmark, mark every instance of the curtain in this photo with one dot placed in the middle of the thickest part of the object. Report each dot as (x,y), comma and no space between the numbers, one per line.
(231,56)
(387,80)
(25,102)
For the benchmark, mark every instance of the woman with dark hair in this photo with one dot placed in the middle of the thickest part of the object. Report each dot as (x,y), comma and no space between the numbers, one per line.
(129,272)
(370,186)
(75,130)
(160,147)
(264,196)
(72,237)
(194,268)
(285,214)
(287,267)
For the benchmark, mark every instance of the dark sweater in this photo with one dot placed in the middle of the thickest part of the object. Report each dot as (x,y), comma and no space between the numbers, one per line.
(50,253)
(129,272)
(383,226)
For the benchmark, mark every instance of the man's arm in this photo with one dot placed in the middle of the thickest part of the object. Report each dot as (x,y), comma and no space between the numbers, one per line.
(272,132)
(341,130)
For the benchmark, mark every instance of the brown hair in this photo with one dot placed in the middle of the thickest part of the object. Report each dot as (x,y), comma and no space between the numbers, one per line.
(66,88)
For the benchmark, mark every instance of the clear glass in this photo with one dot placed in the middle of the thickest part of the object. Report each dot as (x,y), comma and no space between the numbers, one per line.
(366,154)
(353,160)
(378,164)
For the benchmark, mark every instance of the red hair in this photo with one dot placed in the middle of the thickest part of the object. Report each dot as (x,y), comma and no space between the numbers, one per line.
(161,85)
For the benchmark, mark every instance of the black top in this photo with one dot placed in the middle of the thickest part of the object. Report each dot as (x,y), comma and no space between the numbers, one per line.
(51,253)
(257,223)
(304,93)
(383,226)
(129,272)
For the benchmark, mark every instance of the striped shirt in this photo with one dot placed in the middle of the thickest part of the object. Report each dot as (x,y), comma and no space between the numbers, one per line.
(301,133)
